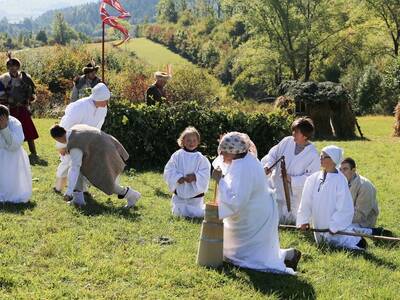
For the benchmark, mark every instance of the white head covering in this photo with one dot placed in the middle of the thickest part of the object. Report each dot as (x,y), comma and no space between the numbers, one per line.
(335,153)
(100,92)
(235,143)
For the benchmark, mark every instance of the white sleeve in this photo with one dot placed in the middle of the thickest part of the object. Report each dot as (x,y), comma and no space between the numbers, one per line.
(305,209)
(74,172)
(272,156)
(12,139)
(314,166)
(171,174)
(203,175)
(233,194)
(71,117)
(343,215)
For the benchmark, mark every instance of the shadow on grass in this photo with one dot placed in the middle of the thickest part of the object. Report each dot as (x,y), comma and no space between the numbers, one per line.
(281,286)
(16,208)
(160,193)
(379,262)
(94,208)
(37,161)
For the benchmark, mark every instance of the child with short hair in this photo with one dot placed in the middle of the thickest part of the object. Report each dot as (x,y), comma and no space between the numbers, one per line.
(187,175)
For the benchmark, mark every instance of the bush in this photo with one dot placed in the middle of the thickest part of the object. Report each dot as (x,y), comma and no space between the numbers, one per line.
(149,133)
(369,90)
(192,84)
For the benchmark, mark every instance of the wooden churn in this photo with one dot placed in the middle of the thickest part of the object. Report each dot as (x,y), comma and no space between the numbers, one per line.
(210,252)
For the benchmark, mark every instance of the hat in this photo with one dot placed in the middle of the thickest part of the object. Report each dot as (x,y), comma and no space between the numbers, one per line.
(12,61)
(100,92)
(335,153)
(162,75)
(90,67)
(235,143)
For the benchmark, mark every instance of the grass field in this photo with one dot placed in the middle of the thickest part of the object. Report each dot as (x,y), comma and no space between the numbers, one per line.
(50,250)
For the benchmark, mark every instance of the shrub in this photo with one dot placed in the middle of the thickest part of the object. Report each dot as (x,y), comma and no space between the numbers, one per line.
(369,90)
(149,133)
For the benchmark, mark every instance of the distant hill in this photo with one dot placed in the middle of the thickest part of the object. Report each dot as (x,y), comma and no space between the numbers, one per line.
(83,18)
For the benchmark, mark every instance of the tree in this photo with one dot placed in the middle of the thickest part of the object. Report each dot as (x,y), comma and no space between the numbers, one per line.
(167,11)
(389,12)
(41,36)
(62,32)
(298,30)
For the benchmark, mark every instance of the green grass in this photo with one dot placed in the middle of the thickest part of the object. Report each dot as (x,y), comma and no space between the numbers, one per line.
(50,250)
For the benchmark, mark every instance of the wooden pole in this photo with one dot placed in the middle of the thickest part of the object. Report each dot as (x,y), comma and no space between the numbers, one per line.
(102,51)
(377,237)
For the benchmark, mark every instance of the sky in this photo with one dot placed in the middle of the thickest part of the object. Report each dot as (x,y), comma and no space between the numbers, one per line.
(16,10)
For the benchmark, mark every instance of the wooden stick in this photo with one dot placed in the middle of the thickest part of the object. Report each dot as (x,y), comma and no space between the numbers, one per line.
(215,192)
(102,52)
(377,237)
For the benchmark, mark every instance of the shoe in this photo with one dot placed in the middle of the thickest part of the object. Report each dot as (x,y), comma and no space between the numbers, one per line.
(380,231)
(78,199)
(132,197)
(293,262)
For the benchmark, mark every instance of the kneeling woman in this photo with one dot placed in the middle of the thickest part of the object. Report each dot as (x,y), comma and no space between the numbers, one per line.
(326,203)
(250,214)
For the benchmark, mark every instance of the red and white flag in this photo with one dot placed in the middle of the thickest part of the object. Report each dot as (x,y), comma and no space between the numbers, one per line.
(106,18)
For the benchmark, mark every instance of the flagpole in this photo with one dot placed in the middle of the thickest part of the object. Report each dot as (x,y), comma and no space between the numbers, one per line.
(102,53)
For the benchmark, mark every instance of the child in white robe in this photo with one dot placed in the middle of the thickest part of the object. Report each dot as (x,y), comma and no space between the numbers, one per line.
(302,160)
(250,214)
(187,175)
(326,203)
(15,170)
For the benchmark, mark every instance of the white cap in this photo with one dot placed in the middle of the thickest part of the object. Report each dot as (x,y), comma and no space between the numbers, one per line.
(100,92)
(335,153)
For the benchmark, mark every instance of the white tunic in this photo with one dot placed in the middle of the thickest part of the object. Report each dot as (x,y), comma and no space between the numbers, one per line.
(15,170)
(298,167)
(184,201)
(328,205)
(82,111)
(250,216)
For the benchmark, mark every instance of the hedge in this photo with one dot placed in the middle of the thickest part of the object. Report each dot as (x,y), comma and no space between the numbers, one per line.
(149,133)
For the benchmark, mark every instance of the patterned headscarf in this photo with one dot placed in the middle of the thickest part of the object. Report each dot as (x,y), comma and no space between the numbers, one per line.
(235,143)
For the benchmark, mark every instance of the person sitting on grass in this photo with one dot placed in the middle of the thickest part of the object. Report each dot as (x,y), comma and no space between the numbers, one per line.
(363,192)
(250,215)
(326,203)
(96,156)
(187,175)
(15,170)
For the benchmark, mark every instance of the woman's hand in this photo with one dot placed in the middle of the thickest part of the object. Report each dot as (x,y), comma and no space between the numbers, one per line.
(217,174)
(305,227)
(181,180)
(190,178)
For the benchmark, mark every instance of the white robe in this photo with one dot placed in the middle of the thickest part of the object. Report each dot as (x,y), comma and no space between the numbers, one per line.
(298,167)
(15,170)
(82,111)
(329,208)
(250,216)
(183,163)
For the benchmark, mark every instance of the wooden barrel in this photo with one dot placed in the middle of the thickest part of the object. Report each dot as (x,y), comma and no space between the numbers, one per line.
(210,252)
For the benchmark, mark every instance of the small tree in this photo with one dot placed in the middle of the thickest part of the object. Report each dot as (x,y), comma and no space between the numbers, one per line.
(369,91)
(41,36)
(167,11)
(62,32)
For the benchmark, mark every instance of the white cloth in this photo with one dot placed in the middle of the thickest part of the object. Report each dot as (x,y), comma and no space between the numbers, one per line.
(328,205)
(298,167)
(83,111)
(335,153)
(75,156)
(180,164)
(250,216)
(15,170)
